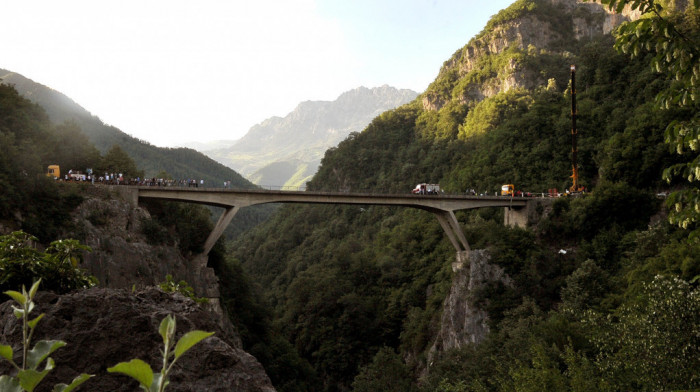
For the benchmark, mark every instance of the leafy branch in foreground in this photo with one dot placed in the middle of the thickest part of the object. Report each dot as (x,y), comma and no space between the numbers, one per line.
(672,39)
(142,372)
(29,375)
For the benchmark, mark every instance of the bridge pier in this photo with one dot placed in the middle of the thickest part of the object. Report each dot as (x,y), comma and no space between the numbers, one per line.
(454,232)
(219,228)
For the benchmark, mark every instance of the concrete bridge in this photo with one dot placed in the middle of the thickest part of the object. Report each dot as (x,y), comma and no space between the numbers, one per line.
(443,207)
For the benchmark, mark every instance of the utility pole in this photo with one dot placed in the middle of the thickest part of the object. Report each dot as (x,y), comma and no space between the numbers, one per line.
(575,188)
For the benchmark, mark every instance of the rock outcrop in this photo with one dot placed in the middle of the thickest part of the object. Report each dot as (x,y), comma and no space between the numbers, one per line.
(559,22)
(104,326)
(121,256)
(462,321)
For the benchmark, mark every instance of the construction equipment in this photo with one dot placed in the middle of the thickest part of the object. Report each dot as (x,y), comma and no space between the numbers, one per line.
(53,171)
(575,188)
(508,190)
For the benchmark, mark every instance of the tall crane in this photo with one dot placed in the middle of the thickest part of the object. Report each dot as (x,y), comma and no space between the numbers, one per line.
(575,188)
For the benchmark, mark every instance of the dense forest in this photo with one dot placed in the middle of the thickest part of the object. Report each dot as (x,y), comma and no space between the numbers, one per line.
(359,291)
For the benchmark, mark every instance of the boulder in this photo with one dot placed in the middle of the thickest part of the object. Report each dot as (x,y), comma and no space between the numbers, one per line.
(103,327)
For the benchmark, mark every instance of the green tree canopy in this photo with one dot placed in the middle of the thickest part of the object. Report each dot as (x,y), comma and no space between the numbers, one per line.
(117,160)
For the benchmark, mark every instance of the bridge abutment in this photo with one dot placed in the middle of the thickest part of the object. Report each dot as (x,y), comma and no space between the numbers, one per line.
(530,213)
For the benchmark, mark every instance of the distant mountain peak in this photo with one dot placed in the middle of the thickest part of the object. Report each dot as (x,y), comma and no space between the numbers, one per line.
(300,138)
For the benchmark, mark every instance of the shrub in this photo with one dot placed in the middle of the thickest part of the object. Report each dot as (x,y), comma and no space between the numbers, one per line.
(21,263)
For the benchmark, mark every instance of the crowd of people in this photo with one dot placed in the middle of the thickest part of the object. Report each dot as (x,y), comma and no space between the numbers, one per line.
(120,179)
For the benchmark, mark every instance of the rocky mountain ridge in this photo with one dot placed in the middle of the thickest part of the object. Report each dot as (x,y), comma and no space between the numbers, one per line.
(552,24)
(290,148)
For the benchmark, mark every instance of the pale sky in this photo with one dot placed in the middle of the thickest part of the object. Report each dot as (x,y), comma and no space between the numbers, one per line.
(173,71)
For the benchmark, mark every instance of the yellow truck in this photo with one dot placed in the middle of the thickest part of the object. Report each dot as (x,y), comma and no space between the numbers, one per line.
(54,171)
(508,190)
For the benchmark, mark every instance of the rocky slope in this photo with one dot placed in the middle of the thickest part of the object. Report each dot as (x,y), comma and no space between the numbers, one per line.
(104,326)
(118,320)
(280,150)
(510,52)
(121,256)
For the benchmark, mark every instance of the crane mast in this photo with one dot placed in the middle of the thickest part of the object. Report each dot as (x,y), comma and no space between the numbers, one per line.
(575,188)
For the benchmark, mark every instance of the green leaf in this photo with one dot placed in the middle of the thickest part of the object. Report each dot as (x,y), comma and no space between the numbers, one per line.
(73,385)
(19,313)
(167,327)
(30,378)
(620,7)
(34,289)
(41,350)
(32,324)
(136,369)
(17,296)
(188,340)
(6,352)
(10,384)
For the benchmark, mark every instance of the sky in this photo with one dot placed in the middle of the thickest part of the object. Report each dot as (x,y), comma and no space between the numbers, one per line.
(172,72)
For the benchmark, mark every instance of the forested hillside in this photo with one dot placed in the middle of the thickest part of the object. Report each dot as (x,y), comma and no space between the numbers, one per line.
(603,292)
(177,162)
(80,138)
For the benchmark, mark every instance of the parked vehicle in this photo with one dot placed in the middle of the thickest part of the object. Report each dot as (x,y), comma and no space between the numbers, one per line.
(426,189)
(53,171)
(508,190)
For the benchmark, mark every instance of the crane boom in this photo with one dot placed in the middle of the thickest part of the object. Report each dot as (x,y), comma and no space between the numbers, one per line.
(575,188)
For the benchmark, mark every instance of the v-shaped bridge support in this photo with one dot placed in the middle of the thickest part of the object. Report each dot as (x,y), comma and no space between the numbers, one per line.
(454,232)
(219,228)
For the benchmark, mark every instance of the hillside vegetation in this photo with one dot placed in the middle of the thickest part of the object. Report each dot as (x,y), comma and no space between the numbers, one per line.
(358,291)
(180,163)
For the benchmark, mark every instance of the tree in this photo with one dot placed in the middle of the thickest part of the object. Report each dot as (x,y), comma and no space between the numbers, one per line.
(387,372)
(74,150)
(58,267)
(117,160)
(671,38)
(652,343)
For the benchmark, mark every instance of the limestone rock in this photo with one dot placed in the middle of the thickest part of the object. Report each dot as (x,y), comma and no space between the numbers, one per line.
(105,326)
(462,322)
(581,21)
(121,256)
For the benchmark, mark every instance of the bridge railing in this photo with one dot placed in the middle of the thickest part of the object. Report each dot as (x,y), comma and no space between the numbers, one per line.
(287,188)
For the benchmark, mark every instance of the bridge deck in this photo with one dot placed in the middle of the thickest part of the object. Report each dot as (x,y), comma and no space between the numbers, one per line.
(442,206)
(243,198)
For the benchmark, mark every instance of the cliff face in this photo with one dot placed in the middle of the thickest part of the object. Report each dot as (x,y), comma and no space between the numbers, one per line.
(121,256)
(462,321)
(505,55)
(119,320)
(103,327)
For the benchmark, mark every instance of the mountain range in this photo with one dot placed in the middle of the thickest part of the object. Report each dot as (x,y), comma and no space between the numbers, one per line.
(286,151)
